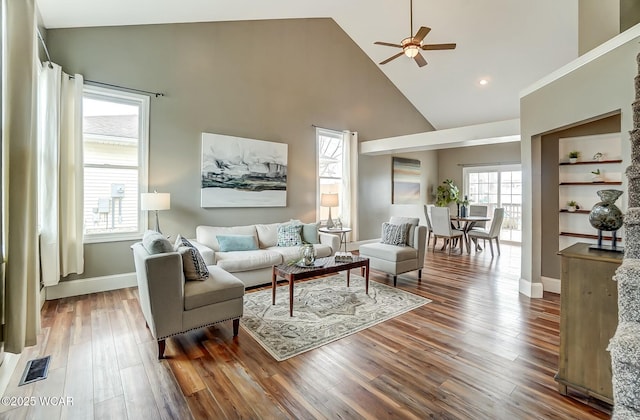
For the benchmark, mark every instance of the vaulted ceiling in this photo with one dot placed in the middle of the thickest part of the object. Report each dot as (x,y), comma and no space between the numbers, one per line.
(508,43)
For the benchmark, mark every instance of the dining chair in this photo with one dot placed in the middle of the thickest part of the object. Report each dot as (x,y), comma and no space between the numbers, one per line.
(492,233)
(481,211)
(427,215)
(441,223)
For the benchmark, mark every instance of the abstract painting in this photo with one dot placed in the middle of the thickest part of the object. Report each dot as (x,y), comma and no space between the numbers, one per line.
(239,172)
(406,181)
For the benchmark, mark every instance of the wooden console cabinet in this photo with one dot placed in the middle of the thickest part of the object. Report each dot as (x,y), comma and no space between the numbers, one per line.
(588,320)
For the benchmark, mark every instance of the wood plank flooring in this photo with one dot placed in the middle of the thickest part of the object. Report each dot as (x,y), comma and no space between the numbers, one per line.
(478,351)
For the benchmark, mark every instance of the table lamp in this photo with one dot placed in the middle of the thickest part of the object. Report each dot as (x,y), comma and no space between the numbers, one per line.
(155,201)
(329,200)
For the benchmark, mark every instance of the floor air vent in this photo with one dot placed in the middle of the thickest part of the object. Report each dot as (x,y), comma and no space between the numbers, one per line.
(35,370)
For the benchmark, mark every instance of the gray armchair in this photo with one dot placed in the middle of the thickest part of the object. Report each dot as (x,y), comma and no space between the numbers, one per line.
(394,259)
(173,306)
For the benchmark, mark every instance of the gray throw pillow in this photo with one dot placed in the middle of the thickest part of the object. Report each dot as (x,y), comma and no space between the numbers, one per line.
(155,243)
(395,234)
(193,264)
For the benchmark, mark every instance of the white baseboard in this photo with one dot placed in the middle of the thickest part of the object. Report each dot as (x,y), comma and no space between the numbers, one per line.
(91,285)
(528,288)
(7,368)
(550,284)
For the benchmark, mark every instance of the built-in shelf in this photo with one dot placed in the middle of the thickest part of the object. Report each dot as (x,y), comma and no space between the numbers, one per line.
(593,183)
(592,162)
(587,236)
(579,184)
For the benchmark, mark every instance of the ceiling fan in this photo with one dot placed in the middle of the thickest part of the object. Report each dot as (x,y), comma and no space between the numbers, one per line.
(412,45)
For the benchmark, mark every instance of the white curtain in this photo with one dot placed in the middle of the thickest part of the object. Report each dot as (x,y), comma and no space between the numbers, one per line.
(60,176)
(19,175)
(350,182)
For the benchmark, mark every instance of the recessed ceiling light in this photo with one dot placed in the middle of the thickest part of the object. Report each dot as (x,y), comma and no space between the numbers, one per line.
(483,82)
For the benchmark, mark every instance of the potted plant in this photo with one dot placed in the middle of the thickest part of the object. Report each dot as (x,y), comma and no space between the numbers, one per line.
(447,193)
(571,206)
(596,176)
(573,156)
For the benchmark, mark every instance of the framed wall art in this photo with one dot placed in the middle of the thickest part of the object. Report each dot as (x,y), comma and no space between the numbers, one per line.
(406,181)
(240,172)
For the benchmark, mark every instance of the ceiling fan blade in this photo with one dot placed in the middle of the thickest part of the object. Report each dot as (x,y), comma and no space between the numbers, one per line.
(420,60)
(422,32)
(388,44)
(393,57)
(439,46)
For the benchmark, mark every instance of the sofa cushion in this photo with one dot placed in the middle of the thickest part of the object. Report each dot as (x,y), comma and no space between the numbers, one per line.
(413,221)
(393,234)
(237,242)
(206,235)
(193,264)
(219,287)
(290,253)
(267,234)
(235,261)
(289,235)
(155,243)
(388,252)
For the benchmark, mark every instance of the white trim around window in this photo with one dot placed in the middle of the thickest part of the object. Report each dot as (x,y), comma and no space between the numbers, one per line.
(142,103)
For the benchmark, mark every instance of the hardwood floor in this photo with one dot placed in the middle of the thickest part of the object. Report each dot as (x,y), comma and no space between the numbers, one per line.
(478,351)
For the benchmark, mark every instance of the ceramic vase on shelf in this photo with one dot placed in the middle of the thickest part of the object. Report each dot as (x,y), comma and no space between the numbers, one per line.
(606,216)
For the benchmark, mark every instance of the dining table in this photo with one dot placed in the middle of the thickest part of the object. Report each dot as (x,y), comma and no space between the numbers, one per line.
(465,224)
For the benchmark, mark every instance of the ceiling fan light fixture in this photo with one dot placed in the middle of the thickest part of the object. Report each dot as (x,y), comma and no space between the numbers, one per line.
(411,50)
(409,47)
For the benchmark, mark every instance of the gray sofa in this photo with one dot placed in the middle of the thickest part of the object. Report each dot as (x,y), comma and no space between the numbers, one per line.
(254,267)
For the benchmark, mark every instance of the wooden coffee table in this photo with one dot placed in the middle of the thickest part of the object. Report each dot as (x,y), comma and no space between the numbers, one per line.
(291,273)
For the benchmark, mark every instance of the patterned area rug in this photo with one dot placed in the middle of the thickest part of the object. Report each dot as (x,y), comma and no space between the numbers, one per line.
(324,310)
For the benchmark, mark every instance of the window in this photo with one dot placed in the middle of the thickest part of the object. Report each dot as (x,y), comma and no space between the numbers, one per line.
(115,127)
(498,186)
(331,164)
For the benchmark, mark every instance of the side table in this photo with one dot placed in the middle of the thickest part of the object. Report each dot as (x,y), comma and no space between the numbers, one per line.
(341,232)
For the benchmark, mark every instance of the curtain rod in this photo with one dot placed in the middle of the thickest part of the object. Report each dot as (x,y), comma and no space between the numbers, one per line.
(93,82)
(512,162)
(332,129)
(46,50)
(146,92)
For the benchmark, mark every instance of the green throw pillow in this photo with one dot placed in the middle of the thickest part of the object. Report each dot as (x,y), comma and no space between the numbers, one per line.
(237,242)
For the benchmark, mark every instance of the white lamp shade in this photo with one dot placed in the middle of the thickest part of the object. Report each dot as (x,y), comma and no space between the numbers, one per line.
(329,200)
(155,201)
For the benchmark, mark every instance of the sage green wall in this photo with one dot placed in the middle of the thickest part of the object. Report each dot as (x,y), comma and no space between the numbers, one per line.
(268,80)
(598,21)
(451,161)
(549,179)
(377,182)
(602,86)
(629,14)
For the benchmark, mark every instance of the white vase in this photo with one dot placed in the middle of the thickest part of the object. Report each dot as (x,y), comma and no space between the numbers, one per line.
(573,160)
(571,209)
